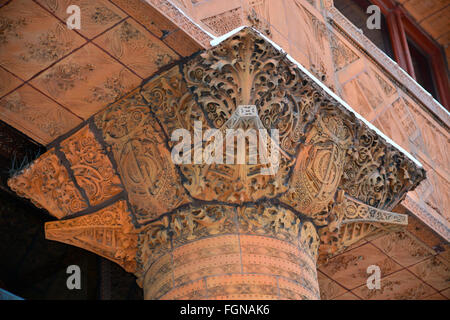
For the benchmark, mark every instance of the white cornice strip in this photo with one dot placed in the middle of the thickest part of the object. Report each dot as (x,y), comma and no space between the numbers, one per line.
(217,40)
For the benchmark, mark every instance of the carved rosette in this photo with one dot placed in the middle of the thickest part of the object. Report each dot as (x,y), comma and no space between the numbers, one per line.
(222,231)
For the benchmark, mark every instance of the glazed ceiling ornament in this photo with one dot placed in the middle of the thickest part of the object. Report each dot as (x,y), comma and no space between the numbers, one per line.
(336,182)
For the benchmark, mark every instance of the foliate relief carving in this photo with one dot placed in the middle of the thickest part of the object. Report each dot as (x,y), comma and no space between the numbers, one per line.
(387,88)
(181,227)
(91,167)
(320,163)
(247,70)
(251,172)
(172,103)
(108,233)
(175,108)
(143,161)
(280,223)
(266,219)
(47,184)
(309,239)
(154,241)
(257,21)
(357,211)
(197,223)
(376,173)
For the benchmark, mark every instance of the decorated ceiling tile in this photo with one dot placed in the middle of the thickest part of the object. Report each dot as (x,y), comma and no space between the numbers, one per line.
(36,115)
(91,167)
(437,24)
(96,16)
(435,271)
(86,81)
(402,248)
(342,54)
(401,285)
(329,289)
(8,82)
(137,48)
(349,269)
(34,39)
(385,85)
(148,16)
(46,182)
(370,89)
(436,296)
(353,95)
(399,125)
(446,293)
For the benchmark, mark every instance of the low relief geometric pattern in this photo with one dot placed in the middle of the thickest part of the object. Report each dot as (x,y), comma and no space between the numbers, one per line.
(342,54)
(108,233)
(225,22)
(91,167)
(48,185)
(387,88)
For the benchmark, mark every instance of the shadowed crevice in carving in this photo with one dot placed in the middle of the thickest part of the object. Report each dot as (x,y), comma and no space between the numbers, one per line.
(95,208)
(66,164)
(106,148)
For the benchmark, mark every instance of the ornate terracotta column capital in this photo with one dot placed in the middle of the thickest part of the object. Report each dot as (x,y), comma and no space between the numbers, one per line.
(209,230)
